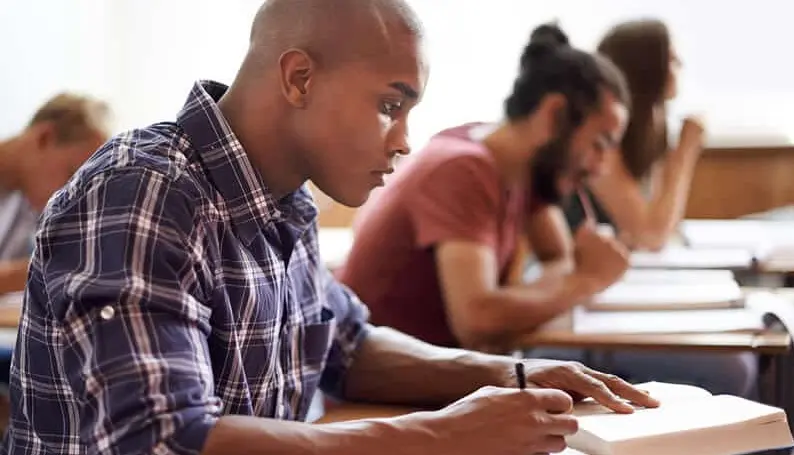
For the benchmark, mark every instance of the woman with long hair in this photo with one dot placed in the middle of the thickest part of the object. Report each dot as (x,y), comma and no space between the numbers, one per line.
(643,191)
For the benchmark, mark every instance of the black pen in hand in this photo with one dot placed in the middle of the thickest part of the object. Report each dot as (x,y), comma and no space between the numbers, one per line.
(520,376)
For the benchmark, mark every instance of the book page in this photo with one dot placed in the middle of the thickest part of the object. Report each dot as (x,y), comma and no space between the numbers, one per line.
(677,276)
(679,416)
(683,321)
(670,296)
(753,235)
(666,393)
(673,257)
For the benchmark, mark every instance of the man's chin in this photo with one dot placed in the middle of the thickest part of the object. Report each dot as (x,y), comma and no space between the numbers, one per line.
(353,199)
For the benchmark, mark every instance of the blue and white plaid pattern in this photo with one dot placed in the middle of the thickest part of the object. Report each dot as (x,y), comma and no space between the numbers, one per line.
(169,287)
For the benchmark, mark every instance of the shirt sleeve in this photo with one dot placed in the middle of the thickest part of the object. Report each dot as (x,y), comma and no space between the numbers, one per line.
(458,200)
(351,317)
(121,264)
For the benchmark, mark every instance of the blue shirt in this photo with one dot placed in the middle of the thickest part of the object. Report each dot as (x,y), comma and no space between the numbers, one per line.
(169,287)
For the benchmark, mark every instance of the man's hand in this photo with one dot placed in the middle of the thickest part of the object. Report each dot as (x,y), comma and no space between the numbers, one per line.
(503,421)
(599,258)
(581,382)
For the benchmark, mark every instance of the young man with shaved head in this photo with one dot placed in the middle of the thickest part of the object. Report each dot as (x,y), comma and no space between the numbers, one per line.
(176,302)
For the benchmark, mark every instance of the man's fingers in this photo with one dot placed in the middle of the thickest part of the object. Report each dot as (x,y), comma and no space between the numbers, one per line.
(625,390)
(562,424)
(550,444)
(598,390)
(553,401)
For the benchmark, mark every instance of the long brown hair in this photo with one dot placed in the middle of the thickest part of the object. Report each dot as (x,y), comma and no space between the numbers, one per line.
(641,49)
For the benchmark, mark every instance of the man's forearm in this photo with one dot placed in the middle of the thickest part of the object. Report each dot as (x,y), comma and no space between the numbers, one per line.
(245,435)
(515,311)
(394,368)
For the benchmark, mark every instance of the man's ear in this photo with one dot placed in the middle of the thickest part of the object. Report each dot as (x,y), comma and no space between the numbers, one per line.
(44,135)
(553,109)
(296,71)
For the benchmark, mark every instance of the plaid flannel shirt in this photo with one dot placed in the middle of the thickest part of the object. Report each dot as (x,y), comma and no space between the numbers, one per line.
(168,287)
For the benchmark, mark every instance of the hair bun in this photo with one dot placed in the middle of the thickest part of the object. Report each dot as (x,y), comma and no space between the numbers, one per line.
(544,40)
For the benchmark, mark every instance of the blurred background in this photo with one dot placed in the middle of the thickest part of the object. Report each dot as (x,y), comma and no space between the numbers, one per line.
(143,55)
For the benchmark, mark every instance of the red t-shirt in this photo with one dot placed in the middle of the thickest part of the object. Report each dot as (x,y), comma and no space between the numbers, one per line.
(451,190)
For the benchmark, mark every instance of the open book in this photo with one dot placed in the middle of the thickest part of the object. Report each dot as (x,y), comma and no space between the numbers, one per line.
(761,310)
(682,257)
(690,420)
(770,242)
(650,290)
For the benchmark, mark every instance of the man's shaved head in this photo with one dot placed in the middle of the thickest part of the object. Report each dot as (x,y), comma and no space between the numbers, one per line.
(330,31)
(324,93)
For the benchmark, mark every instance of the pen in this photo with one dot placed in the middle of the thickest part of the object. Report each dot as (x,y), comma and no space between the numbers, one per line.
(520,376)
(587,206)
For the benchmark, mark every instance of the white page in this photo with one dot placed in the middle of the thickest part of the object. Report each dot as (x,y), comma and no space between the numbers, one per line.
(674,295)
(759,306)
(681,257)
(683,321)
(677,276)
(666,393)
(679,417)
(754,235)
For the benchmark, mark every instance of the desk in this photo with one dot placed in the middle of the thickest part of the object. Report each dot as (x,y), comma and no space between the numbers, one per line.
(771,347)
(732,182)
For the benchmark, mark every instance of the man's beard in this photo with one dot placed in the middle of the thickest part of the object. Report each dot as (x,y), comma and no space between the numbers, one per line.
(547,168)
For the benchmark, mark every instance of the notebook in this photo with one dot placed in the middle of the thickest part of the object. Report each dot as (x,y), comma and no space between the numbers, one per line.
(767,241)
(690,420)
(682,257)
(761,309)
(655,290)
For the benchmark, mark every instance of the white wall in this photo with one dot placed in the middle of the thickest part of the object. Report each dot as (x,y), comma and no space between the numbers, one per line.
(47,46)
(144,54)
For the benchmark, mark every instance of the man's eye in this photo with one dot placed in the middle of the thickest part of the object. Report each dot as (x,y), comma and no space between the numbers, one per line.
(390,107)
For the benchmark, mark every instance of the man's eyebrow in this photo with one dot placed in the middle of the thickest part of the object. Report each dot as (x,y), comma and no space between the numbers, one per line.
(406,90)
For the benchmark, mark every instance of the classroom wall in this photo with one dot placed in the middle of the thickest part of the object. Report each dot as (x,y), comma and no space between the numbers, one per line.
(47,46)
(143,55)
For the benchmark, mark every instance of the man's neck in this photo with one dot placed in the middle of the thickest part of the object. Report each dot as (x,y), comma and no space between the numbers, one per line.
(511,153)
(265,146)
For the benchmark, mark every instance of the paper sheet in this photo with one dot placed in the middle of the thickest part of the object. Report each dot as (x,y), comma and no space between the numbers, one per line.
(680,257)
(762,309)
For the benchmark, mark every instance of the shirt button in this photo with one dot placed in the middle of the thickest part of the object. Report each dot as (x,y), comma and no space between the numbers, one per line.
(107,312)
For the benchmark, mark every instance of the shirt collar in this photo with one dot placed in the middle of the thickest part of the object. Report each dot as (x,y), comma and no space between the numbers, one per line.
(250,204)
